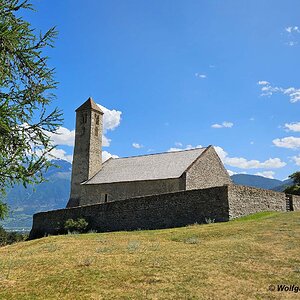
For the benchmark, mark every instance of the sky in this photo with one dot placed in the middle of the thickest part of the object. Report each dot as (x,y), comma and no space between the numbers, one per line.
(173,75)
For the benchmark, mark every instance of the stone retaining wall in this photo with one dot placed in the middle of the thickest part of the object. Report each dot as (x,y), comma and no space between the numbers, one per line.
(295,202)
(244,200)
(166,210)
(151,212)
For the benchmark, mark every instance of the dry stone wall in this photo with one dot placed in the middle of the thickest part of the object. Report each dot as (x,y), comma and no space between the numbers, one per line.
(295,202)
(244,200)
(166,210)
(151,212)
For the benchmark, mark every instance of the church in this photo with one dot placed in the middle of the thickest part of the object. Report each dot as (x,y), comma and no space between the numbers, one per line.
(122,178)
(154,191)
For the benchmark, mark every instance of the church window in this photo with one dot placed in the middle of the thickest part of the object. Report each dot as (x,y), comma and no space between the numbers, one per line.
(96,131)
(84,118)
(97,119)
(81,119)
(105,198)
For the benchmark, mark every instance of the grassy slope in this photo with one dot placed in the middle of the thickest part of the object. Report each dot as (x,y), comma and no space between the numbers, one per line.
(234,260)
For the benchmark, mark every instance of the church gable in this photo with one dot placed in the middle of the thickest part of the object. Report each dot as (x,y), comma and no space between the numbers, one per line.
(207,171)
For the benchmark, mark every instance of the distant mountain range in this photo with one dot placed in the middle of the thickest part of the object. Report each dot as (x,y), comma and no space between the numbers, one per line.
(49,195)
(261,182)
(54,194)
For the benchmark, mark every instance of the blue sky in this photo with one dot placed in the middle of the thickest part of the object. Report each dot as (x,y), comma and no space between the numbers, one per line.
(179,74)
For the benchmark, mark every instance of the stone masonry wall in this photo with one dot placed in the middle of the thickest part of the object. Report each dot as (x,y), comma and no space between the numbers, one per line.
(245,200)
(94,193)
(151,212)
(207,171)
(296,202)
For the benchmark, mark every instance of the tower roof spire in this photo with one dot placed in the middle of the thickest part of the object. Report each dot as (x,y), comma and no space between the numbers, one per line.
(89,104)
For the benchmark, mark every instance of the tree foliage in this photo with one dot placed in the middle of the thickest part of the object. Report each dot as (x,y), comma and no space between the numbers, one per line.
(26,85)
(295,188)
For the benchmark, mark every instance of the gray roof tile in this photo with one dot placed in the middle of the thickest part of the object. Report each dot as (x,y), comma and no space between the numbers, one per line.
(146,167)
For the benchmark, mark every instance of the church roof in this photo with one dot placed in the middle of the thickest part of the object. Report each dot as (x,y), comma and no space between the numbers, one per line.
(89,104)
(147,167)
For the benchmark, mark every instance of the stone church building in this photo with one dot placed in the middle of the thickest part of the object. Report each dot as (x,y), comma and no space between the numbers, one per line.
(123,178)
(153,191)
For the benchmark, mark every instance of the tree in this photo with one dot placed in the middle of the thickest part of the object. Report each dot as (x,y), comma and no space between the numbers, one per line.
(295,188)
(26,85)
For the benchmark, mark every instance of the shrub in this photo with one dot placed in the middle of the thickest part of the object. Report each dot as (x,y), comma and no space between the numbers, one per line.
(209,220)
(7,238)
(79,225)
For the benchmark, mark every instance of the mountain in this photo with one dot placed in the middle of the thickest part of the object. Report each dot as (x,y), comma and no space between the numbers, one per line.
(261,182)
(283,186)
(52,194)
(256,181)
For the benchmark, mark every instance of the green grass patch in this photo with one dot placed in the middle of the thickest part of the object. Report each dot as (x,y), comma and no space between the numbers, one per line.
(257,216)
(230,260)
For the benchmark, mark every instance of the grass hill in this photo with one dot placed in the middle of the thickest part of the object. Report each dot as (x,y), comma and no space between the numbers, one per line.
(239,259)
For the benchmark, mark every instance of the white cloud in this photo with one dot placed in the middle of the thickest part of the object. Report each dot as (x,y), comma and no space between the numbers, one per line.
(291,29)
(61,154)
(187,147)
(292,35)
(216,126)
(293,126)
(57,154)
(289,142)
(263,82)
(63,136)
(111,118)
(106,155)
(66,137)
(105,141)
(200,75)
(268,90)
(224,124)
(296,159)
(137,145)
(239,162)
(178,144)
(267,174)
(243,163)
(231,172)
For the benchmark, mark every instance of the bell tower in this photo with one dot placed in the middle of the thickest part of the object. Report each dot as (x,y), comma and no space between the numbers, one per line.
(87,157)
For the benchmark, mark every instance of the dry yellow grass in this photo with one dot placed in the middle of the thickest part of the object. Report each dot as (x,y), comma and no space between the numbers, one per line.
(234,260)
